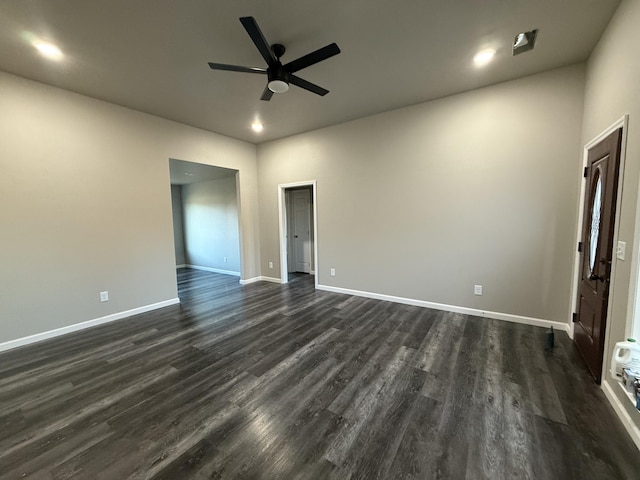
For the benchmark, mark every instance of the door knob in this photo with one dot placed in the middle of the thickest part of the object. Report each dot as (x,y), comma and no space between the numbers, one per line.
(593,276)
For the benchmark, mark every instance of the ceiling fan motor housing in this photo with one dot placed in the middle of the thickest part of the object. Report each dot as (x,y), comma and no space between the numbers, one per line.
(278,78)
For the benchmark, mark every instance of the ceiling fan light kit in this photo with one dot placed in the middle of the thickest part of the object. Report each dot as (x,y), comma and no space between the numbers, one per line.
(278,86)
(279,76)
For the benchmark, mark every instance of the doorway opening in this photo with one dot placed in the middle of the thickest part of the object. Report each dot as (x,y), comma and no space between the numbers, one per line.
(206,219)
(297,206)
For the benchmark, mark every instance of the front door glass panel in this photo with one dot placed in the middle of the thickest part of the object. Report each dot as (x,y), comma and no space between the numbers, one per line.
(594,233)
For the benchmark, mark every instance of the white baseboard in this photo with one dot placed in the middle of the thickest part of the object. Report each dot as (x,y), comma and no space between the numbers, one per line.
(538,322)
(622,412)
(214,270)
(260,279)
(38,337)
(181,266)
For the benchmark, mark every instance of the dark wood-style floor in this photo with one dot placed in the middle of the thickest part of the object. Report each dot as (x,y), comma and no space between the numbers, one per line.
(270,381)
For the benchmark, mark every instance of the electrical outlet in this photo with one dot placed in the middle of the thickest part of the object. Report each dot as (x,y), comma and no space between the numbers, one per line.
(104,296)
(477,289)
(621,250)
(332,272)
(270,264)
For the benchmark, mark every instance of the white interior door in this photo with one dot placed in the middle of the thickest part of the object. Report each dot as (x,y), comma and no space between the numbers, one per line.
(302,230)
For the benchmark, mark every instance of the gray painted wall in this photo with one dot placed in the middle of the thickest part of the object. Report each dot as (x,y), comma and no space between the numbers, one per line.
(87,208)
(426,201)
(210,212)
(612,90)
(178,224)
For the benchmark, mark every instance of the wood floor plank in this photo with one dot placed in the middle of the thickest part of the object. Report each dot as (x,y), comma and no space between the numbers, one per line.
(275,381)
(417,457)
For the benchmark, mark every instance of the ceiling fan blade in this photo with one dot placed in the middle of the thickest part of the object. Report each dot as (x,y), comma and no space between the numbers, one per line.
(312,87)
(251,26)
(236,68)
(311,58)
(267,94)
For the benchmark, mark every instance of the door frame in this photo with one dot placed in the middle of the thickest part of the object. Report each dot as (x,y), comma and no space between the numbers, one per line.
(620,123)
(282,225)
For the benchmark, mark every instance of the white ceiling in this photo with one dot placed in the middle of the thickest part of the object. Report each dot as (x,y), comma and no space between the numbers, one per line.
(151,55)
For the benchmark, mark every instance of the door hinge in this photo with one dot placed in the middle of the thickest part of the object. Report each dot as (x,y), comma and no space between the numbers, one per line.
(579,246)
(586,172)
(574,317)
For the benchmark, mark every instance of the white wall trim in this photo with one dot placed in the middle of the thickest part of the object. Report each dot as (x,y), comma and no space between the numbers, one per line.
(282,227)
(38,337)
(260,279)
(538,322)
(633,306)
(622,413)
(214,270)
(181,266)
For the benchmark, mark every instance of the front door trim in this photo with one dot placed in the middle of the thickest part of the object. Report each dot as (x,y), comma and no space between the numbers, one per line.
(620,123)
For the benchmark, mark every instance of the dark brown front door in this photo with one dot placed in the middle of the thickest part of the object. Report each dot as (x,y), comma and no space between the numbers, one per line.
(596,252)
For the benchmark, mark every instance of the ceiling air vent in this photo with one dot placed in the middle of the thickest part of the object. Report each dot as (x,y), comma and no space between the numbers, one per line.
(523,42)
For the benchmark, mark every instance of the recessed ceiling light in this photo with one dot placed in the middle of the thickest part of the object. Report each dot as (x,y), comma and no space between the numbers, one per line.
(48,50)
(257,127)
(483,57)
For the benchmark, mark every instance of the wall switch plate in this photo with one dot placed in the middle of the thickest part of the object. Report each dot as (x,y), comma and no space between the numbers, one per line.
(621,250)
(104,296)
(477,289)
(270,264)
(332,272)
(225,259)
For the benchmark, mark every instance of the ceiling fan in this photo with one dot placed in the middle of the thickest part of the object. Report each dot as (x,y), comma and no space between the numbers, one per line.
(279,75)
